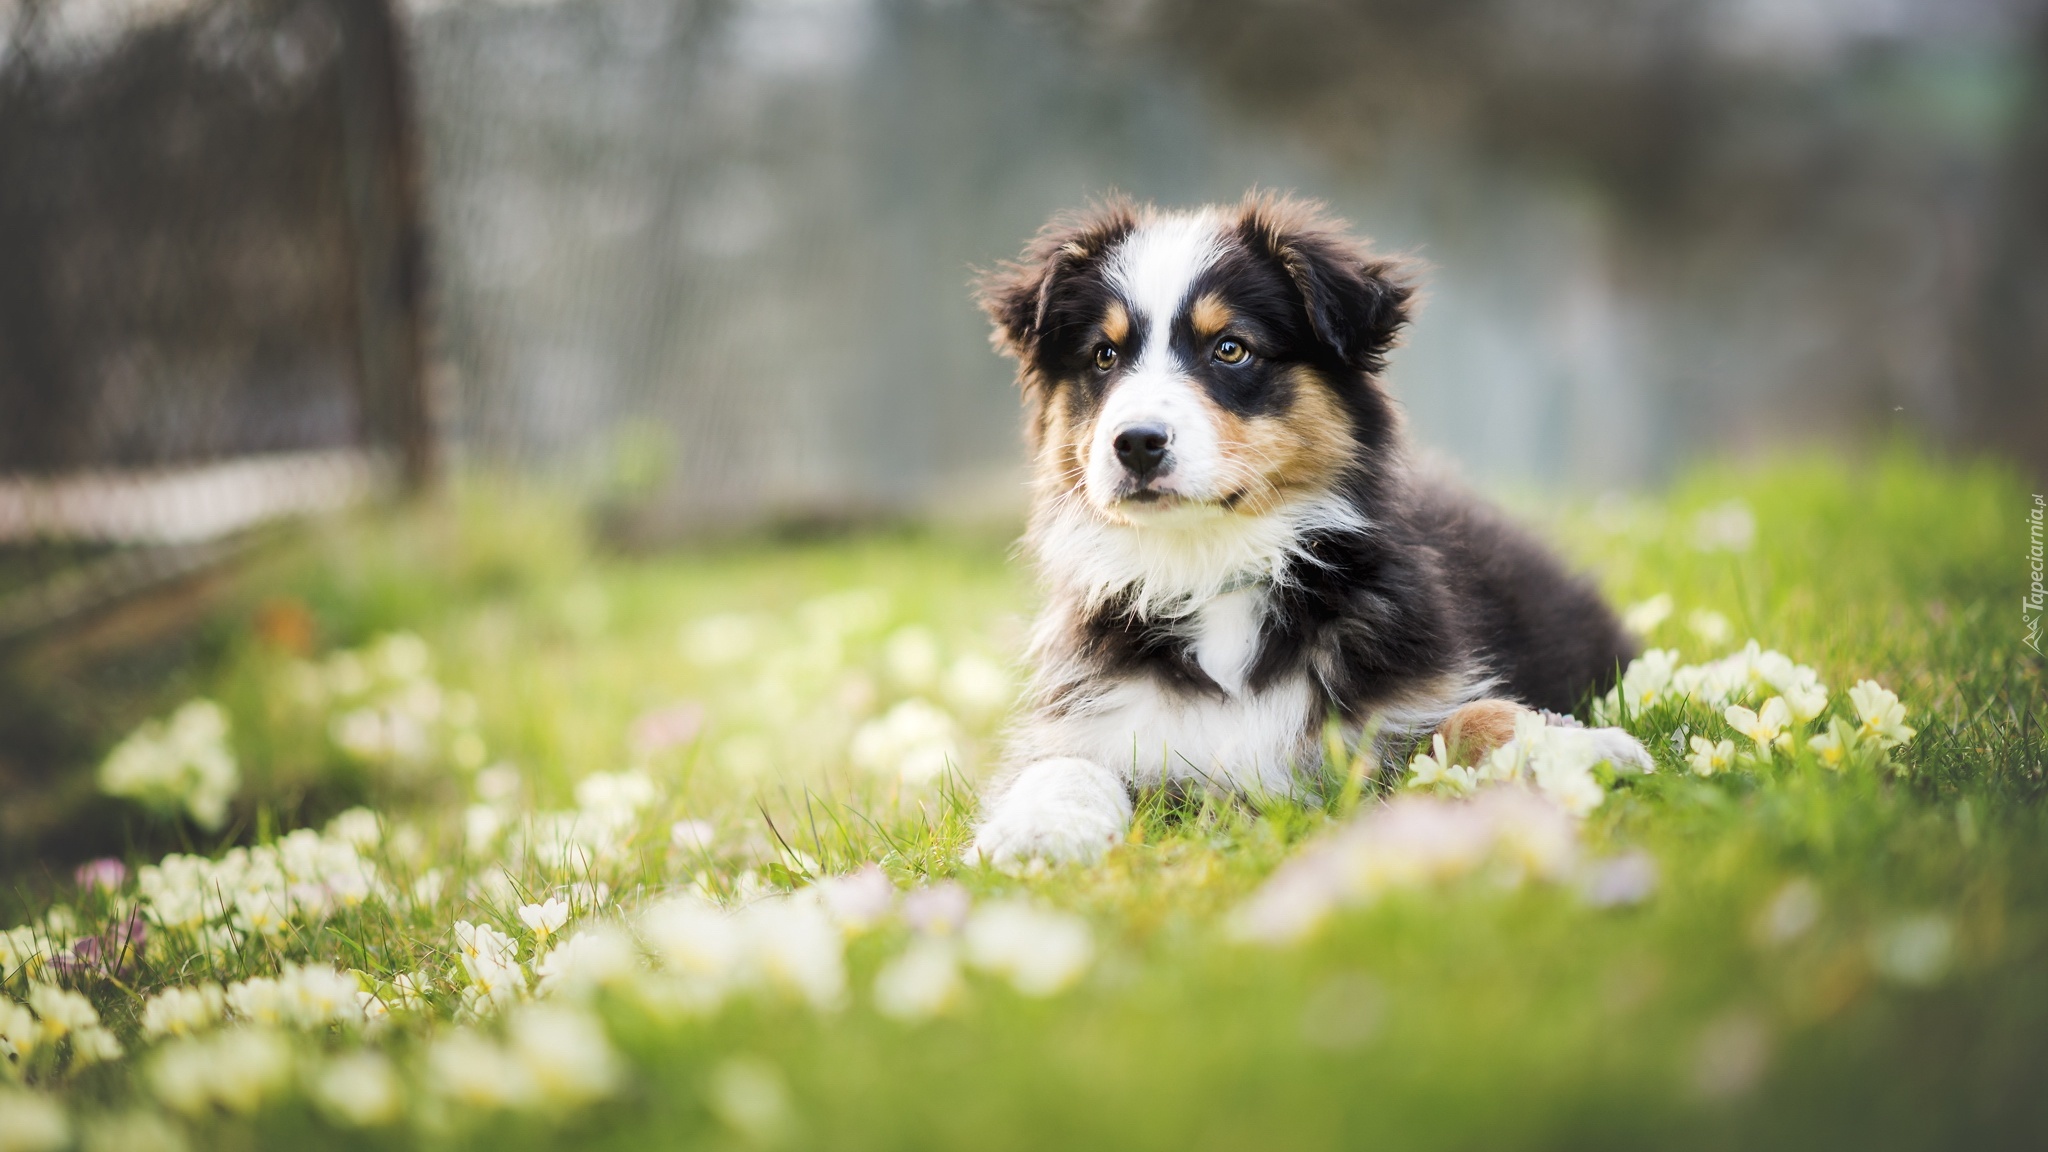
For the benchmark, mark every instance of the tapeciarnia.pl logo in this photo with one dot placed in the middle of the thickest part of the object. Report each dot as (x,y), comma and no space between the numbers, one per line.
(2031,604)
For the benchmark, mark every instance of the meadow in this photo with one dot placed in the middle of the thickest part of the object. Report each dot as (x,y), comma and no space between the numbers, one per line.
(454,829)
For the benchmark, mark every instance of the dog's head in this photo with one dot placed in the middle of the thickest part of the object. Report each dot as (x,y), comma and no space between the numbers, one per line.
(1217,362)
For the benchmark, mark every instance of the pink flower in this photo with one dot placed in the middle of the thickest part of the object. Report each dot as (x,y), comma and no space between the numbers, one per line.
(111,953)
(669,727)
(940,909)
(105,873)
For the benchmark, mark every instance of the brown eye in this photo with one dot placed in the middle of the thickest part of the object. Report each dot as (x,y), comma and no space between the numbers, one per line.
(1230,352)
(1105,358)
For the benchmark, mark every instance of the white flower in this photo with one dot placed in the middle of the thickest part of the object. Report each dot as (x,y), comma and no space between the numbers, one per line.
(409,989)
(358,1089)
(401,656)
(1834,747)
(921,982)
(94,1045)
(183,1010)
(184,763)
(798,948)
(21,952)
(544,918)
(31,1123)
(20,1032)
(692,937)
(615,797)
(1643,619)
(1709,757)
(594,957)
(235,1069)
(1792,910)
(1883,717)
(1430,769)
(748,1094)
(61,1010)
(1648,677)
(565,1053)
(1916,950)
(940,909)
(302,995)
(977,686)
(1806,701)
(359,828)
(428,887)
(1710,626)
(494,980)
(858,900)
(693,836)
(475,941)
(853,612)
(911,655)
(1766,727)
(1727,527)
(1041,952)
(469,1069)
(913,741)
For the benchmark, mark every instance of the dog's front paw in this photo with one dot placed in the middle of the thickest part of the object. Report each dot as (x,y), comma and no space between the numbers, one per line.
(1055,810)
(1620,749)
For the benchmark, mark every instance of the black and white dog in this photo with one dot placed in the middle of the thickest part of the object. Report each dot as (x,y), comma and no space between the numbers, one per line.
(1234,542)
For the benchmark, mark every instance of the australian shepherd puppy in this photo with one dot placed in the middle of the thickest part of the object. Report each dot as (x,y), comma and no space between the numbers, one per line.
(1233,540)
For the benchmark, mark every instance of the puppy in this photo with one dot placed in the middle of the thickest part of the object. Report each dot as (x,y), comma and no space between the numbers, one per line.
(1233,541)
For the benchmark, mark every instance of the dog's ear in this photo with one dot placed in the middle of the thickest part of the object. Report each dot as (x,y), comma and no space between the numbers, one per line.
(1357,302)
(1019,295)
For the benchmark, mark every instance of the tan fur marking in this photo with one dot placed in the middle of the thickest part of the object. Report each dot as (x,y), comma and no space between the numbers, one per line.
(1478,728)
(1297,451)
(1062,454)
(1116,324)
(1210,316)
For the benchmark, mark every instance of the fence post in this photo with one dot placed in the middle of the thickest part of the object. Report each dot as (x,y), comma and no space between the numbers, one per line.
(381,167)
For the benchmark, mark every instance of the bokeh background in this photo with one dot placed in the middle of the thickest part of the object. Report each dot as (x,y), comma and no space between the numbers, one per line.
(706,262)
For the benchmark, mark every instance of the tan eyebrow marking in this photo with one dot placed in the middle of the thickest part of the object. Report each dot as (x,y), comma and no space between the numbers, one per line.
(1116,323)
(1210,315)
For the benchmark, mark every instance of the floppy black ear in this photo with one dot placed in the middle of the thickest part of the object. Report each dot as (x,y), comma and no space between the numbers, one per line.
(1357,302)
(1019,295)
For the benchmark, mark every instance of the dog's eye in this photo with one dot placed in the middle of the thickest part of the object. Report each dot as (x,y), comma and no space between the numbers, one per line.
(1105,358)
(1230,352)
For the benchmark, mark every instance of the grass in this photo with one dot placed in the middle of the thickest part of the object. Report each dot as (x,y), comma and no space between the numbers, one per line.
(1455,1016)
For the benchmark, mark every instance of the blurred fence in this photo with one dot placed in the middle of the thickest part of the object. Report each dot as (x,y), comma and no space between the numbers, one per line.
(210,300)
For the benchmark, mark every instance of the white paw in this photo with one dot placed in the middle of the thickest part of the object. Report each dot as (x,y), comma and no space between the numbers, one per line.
(1622,750)
(1057,810)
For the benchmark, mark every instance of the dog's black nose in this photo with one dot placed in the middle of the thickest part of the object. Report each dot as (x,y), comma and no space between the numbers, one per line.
(1141,448)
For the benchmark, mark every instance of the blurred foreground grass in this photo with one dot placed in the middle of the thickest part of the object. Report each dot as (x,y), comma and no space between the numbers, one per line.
(1815,959)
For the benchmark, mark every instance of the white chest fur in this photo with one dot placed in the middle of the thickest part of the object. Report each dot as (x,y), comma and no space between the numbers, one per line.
(1139,728)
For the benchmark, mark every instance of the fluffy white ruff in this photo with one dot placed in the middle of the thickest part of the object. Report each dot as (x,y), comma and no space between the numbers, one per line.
(1179,559)
(1064,809)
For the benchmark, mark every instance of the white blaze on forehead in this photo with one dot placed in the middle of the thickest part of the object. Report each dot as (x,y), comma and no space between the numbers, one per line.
(1156,266)
(1154,270)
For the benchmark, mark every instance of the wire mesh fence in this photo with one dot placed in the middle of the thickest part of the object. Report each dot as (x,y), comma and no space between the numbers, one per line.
(210,309)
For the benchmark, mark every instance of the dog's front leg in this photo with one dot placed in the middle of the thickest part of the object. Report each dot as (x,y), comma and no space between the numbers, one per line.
(1057,810)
